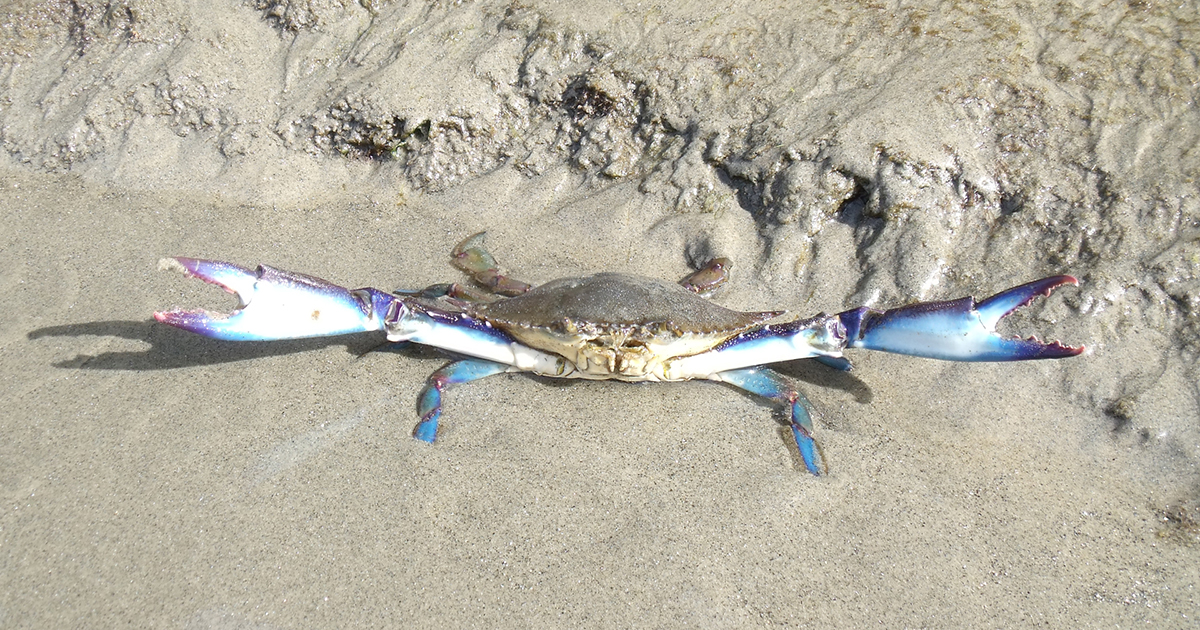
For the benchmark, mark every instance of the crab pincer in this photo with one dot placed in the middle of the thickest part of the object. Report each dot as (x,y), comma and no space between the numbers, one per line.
(957,330)
(275,304)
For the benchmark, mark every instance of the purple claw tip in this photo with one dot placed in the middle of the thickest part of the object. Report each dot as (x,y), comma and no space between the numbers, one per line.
(187,266)
(198,321)
(1005,302)
(1054,282)
(230,277)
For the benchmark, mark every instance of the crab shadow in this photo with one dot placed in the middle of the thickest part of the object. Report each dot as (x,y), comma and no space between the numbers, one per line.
(171,348)
(810,372)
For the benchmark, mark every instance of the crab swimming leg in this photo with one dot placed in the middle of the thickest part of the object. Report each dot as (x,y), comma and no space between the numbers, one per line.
(429,403)
(773,386)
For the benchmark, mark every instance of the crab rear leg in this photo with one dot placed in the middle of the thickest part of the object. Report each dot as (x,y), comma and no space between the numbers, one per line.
(471,257)
(429,403)
(709,278)
(773,386)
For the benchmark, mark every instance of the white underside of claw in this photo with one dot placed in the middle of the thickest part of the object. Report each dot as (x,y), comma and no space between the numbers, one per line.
(760,351)
(419,328)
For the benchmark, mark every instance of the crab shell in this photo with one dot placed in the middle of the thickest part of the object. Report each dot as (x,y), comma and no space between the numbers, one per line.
(616,326)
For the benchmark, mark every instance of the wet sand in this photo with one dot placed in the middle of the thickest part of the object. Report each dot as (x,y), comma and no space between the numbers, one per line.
(843,157)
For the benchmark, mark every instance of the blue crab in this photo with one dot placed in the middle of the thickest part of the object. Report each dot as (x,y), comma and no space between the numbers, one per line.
(606,326)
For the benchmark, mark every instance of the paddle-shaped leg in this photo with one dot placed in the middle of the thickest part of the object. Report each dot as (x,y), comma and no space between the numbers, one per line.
(429,403)
(471,257)
(771,385)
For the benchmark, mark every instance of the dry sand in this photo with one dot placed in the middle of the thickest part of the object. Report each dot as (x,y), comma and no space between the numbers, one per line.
(841,156)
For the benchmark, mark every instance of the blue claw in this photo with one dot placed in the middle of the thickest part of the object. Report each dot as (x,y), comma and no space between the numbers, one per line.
(956,330)
(429,403)
(276,304)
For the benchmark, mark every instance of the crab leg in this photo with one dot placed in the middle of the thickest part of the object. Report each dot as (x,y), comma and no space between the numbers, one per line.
(277,304)
(471,257)
(707,279)
(429,403)
(956,330)
(771,385)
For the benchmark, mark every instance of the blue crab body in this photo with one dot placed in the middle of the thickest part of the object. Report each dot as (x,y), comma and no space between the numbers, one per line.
(617,326)
(605,326)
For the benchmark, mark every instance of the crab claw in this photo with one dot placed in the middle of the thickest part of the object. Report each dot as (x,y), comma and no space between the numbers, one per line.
(276,304)
(956,330)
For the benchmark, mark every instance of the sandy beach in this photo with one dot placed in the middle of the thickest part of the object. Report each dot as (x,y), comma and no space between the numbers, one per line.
(841,156)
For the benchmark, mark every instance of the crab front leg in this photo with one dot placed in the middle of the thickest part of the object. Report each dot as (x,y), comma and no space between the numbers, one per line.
(953,330)
(276,304)
(773,386)
(429,403)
